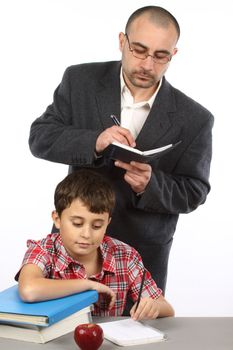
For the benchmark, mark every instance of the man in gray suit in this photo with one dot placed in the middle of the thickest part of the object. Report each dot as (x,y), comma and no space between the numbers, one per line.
(76,128)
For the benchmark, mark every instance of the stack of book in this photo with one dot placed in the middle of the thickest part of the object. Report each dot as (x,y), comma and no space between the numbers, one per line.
(41,322)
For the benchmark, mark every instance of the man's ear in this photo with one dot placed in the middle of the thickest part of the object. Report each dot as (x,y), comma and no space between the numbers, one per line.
(56,219)
(175,51)
(121,41)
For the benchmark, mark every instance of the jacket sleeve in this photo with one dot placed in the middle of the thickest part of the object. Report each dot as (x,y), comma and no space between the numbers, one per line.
(184,188)
(56,138)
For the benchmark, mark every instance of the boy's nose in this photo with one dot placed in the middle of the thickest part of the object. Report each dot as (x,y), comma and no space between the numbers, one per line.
(85,232)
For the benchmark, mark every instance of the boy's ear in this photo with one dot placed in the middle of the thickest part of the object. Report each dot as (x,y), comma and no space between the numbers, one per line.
(56,219)
(109,220)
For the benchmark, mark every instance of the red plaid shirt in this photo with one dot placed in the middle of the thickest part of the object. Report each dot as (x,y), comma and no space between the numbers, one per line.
(122,269)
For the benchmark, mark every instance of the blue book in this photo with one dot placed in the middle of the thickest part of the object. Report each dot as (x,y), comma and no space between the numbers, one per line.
(44,313)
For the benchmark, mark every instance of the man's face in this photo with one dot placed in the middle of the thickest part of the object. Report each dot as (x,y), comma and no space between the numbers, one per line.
(81,230)
(146,37)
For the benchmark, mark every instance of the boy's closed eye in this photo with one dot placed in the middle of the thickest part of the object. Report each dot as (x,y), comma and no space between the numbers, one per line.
(97,227)
(94,226)
(77,224)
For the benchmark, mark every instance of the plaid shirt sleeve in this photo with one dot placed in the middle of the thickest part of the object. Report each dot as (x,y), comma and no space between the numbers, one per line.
(36,255)
(135,272)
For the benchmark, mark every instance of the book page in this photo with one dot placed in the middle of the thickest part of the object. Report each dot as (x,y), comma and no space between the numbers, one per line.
(129,332)
(156,150)
(131,149)
(146,153)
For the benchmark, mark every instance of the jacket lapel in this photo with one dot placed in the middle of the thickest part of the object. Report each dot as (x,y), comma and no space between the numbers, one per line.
(159,120)
(108,96)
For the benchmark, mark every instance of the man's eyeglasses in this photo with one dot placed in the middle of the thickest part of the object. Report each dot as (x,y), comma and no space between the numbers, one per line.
(142,54)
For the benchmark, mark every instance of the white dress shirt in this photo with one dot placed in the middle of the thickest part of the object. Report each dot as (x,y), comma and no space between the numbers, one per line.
(133,115)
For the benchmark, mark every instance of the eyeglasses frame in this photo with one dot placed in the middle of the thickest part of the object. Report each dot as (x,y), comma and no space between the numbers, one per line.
(168,58)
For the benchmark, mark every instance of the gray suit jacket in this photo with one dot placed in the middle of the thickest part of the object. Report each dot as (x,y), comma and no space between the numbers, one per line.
(67,133)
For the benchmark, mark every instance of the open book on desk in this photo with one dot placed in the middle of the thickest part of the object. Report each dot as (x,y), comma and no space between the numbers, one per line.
(119,151)
(128,332)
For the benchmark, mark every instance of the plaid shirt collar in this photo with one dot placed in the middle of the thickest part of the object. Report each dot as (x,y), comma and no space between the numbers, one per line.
(62,259)
(108,258)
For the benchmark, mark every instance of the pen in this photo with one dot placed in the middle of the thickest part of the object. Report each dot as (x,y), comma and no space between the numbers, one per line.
(141,288)
(115,120)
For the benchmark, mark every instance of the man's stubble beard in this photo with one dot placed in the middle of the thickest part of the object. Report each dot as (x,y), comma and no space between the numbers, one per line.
(140,83)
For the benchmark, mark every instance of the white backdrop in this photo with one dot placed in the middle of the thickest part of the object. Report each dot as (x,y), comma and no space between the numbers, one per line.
(39,39)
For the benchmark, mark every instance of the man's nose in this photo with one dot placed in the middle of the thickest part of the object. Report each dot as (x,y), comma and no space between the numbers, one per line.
(148,63)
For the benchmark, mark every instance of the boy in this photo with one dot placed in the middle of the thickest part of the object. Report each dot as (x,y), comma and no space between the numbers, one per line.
(80,257)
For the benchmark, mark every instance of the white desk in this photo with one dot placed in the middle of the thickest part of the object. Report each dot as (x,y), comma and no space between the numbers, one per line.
(184,333)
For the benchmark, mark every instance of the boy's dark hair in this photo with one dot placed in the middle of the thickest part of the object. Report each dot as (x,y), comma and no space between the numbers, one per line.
(94,190)
(157,14)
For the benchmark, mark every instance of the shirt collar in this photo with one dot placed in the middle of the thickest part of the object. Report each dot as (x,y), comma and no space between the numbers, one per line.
(63,259)
(125,88)
(108,258)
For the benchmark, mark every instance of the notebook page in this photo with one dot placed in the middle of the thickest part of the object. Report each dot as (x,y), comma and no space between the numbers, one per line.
(129,332)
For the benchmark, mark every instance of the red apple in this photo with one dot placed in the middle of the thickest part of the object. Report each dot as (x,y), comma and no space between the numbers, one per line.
(88,336)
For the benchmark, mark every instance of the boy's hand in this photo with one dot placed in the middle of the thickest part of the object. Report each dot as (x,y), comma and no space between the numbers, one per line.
(147,309)
(103,289)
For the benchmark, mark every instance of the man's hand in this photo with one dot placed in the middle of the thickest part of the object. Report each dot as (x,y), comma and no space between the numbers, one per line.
(115,133)
(137,175)
(148,309)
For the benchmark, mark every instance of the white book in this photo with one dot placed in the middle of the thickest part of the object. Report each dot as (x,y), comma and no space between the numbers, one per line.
(39,334)
(128,332)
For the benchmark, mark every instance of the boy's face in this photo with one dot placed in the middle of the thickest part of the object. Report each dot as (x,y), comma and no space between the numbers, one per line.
(81,230)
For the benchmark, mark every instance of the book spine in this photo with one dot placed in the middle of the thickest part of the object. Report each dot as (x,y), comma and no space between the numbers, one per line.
(91,297)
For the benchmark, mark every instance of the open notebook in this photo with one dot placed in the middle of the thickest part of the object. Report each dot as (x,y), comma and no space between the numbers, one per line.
(129,332)
(126,153)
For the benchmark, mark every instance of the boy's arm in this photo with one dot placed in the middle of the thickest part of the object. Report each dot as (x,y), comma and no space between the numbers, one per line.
(149,308)
(152,303)
(33,286)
